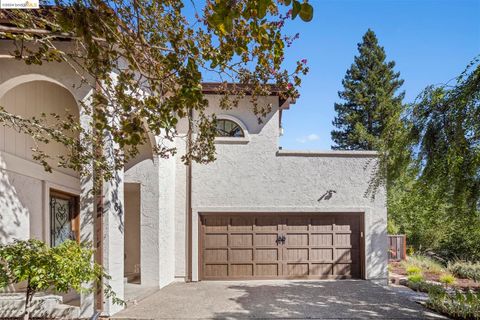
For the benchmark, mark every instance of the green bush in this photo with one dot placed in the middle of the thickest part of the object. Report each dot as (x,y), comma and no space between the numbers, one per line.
(465,270)
(415,278)
(447,279)
(411,270)
(458,305)
(67,266)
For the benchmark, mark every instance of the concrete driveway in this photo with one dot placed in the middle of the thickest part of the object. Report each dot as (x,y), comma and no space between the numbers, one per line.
(346,299)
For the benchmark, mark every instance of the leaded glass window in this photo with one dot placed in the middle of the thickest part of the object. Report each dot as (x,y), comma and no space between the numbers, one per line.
(228,128)
(62,214)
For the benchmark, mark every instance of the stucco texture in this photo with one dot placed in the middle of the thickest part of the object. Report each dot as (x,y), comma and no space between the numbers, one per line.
(255,176)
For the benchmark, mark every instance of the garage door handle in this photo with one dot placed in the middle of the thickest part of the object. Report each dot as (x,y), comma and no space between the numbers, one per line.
(281,239)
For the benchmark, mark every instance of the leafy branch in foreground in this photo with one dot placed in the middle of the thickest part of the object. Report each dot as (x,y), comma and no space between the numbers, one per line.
(145,60)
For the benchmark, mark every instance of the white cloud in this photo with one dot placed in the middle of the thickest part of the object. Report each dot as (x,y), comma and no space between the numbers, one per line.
(310,137)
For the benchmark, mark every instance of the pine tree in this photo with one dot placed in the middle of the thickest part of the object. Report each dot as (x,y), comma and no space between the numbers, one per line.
(371,105)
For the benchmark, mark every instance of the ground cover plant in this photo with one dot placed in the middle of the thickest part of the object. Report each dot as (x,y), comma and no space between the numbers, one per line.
(465,269)
(424,263)
(456,305)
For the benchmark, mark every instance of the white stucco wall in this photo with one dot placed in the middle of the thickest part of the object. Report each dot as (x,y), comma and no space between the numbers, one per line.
(31,99)
(157,231)
(25,186)
(257,177)
(20,203)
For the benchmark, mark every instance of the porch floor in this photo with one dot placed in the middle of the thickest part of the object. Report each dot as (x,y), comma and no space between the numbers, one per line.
(135,292)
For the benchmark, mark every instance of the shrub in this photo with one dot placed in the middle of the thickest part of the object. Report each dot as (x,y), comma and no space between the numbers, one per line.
(415,278)
(447,279)
(465,270)
(425,263)
(412,270)
(458,305)
(410,251)
(67,266)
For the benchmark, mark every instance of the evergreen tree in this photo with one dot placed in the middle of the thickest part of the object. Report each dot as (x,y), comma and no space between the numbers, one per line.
(371,108)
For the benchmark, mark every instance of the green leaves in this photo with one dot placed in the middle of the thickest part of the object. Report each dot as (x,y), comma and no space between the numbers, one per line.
(67,266)
(145,64)
(296,8)
(305,10)
(262,7)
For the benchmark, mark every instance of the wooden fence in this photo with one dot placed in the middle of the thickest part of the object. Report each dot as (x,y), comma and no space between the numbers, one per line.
(397,247)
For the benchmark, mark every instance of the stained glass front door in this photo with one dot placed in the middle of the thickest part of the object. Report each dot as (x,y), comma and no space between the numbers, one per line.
(62,215)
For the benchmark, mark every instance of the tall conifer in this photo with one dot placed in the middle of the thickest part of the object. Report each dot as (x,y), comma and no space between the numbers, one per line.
(371,105)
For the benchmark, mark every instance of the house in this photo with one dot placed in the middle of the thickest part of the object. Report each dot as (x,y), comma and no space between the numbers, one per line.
(257,212)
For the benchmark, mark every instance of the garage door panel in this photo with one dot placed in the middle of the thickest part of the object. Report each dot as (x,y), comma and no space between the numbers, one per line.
(241,270)
(316,246)
(216,270)
(297,270)
(213,224)
(263,254)
(321,269)
(241,240)
(266,239)
(215,255)
(343,255)
(321,239)
(297,239)
(346,223)
(266,223)
(321,254)
(322,224)
(296,254)
(241,255)
(216,240)
(343,239)
(297,224)
(267,270)
(342,269)
(241,223)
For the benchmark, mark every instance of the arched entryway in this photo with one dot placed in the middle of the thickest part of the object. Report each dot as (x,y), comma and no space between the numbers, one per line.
(35,203)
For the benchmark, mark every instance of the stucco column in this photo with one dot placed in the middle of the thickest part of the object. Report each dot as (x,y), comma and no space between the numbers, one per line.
(113,232)
(149,222)
(87,214)
(166,211)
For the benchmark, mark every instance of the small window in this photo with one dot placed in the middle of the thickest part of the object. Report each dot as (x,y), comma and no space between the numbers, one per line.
(64,218)
(229,128)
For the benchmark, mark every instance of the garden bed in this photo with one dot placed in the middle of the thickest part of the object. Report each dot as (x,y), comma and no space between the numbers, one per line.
(461,284)
(456,297)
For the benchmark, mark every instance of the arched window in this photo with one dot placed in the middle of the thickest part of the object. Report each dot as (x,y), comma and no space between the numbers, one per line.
(229,128)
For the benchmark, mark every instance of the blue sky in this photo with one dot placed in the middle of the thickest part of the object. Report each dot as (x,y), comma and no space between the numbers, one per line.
(430,40)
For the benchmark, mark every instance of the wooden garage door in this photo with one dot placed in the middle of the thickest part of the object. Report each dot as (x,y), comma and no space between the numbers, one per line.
(246,246)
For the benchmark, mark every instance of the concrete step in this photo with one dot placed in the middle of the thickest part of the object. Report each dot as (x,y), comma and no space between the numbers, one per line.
(65,312)
(43,305)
